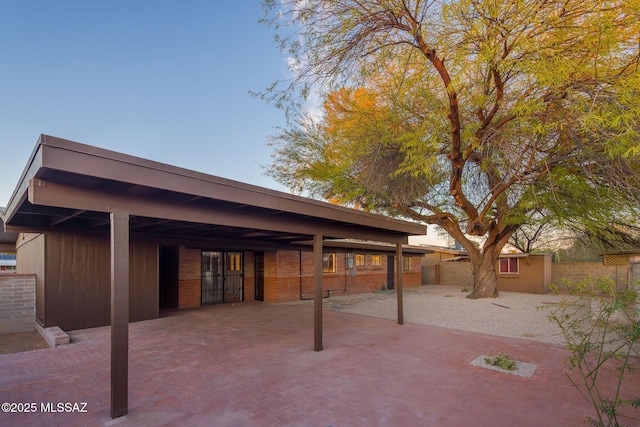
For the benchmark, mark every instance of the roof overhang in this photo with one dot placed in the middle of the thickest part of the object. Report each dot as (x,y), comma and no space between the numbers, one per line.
(71,186)
(514,255)
(382,247)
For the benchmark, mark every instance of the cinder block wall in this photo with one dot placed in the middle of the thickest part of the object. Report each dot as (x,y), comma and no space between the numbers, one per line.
(460,273)
(429,275)
(456,274)
(577,271)
(17,303)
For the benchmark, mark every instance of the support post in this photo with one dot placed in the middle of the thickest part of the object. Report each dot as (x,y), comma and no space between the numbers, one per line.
(317,292)
(119,313)
(399,266)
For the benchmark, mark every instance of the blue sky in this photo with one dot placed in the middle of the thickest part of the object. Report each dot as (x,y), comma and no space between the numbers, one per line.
(162,80)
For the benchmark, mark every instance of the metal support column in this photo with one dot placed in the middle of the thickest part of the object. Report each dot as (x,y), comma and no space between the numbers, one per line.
(119,313)
(399,266)
(317,292)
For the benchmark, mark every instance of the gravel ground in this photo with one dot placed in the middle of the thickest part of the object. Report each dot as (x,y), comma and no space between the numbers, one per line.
(512,314)
(23,341)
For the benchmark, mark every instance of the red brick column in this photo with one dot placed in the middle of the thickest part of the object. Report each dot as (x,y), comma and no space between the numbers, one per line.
(248,277)
(189,277)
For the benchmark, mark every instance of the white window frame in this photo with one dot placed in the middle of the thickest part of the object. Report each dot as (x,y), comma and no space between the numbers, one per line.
(509,266)
(329,262)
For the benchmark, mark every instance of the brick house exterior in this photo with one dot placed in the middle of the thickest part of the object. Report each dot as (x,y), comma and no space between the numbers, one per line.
(92,223)
(288,274)
(113,238)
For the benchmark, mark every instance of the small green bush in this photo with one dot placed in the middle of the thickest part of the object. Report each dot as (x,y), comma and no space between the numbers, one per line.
(601,325)
(502,361)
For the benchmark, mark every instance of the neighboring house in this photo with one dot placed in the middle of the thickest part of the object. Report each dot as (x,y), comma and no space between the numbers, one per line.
(431,262)
(524,273)
(439,254)
(534,273)
(193,239)
(7,263)
(516,272)
(7,249)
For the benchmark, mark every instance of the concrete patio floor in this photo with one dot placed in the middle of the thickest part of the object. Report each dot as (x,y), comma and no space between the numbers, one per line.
(252,364)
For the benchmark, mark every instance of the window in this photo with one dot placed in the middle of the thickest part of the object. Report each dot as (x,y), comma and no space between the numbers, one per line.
(508,265)
(235,261)
(376,261)
(407,264)
(329,262)
(361,260)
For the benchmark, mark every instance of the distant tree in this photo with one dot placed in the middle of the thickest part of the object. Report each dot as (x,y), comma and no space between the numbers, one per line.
(580,251)
(469,114)
(537,234)
(589,244)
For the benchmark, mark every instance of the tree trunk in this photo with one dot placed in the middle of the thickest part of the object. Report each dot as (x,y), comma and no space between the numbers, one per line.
(485,277)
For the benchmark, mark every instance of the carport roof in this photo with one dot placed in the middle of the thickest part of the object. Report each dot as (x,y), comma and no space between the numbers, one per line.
(68,185)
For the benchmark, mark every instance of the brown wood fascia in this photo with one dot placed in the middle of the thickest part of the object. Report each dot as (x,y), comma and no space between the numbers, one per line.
(66,196)
(72,157)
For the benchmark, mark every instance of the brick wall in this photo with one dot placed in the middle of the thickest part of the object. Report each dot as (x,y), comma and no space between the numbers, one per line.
(17,303)
(248,278)
(285,282)
(282,275)
(411,279)
(189,284)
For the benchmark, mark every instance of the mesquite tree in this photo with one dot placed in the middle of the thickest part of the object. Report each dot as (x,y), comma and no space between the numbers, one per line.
(468,114)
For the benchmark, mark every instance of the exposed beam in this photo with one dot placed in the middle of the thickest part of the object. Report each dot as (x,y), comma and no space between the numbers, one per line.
(40,228)
(66,196)
(67,218)
(7,247)
(149,224)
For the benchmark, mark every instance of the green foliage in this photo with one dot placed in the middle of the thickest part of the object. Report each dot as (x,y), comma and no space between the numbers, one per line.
(601,327)
(468,114)
(502,361)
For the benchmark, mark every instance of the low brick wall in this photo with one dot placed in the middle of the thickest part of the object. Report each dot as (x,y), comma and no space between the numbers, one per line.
(17,303)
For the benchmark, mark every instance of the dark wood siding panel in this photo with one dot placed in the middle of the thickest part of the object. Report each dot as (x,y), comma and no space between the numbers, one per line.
(78,280)
(143,284)
(30,260)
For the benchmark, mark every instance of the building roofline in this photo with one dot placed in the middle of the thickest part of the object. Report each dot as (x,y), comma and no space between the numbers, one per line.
(60,157)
